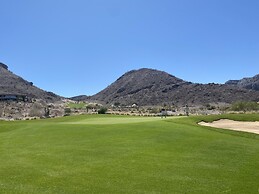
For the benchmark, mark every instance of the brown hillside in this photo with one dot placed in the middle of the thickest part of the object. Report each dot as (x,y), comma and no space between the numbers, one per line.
(153,87)
(251,83)
(13,84)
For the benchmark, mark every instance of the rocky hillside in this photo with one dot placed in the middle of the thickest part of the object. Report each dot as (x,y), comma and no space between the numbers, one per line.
(251,83)
(13,84)
(80,98)
(153,87)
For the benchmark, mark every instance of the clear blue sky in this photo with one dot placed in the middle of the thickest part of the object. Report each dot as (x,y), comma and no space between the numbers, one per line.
(74,47)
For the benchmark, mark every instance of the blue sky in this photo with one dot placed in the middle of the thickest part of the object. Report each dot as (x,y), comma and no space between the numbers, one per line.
(74,47)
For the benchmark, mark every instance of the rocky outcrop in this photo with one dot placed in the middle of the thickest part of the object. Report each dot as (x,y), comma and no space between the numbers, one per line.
(80,98)
(251,83)
(12,110)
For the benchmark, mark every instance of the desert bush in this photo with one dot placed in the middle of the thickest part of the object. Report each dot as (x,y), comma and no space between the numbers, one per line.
(102,110)
(210,107)
(245,106)
(67,111)
(155,110)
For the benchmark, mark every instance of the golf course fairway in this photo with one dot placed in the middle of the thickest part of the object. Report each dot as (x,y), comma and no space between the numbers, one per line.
(123,154)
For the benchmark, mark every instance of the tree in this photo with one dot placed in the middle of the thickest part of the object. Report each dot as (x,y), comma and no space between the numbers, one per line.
(89,106)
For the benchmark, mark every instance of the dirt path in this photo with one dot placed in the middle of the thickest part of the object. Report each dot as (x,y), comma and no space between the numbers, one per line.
(252,127)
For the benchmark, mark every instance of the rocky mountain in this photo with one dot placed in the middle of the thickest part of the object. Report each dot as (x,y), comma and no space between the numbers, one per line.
(80,98)
(251,83)
(13,84)
(144,87)
(153,87)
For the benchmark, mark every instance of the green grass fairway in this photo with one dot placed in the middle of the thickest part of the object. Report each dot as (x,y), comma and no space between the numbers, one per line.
(77,105)
(114,120)
(122,154)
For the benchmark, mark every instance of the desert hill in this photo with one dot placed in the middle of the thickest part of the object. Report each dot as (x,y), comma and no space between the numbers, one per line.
(153,87)
(13,84)
(144,87)
(248,83)
(80,98)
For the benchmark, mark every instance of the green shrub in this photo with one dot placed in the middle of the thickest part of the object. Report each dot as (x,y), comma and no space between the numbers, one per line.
(67,111)
(210,107)
(102,110)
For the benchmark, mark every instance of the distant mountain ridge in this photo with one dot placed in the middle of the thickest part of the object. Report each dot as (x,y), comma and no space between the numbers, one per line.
(144,87)
(13,84)
(251,83)
(153,87)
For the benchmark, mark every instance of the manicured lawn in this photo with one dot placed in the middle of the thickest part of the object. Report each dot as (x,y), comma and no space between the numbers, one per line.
(118,154)
(77,105)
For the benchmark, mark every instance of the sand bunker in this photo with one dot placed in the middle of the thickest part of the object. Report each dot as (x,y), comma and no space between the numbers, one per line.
(251,127)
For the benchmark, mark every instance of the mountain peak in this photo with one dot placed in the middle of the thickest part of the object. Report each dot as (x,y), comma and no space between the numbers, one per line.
(150,75)
(143,83)
(153,87)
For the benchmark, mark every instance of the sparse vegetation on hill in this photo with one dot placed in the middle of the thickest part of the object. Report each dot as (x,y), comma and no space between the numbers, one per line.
(245,106)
